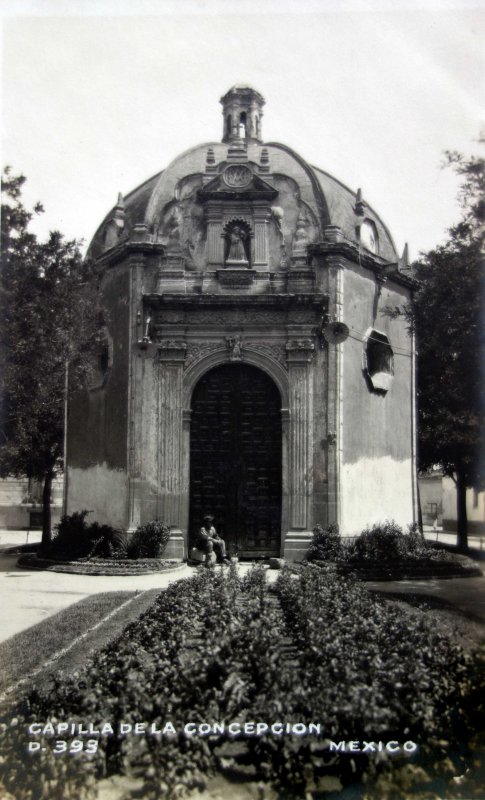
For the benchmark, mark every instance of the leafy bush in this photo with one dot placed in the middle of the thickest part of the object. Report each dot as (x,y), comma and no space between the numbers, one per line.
(326,544)
(74,539)
(150,540)
(387,541)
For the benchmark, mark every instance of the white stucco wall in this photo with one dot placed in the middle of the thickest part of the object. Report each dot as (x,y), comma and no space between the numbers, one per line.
(373,490)
(107,490)
(475,502)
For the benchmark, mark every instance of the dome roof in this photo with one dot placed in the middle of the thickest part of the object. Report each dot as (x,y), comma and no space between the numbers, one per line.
(304,200)
(331,201)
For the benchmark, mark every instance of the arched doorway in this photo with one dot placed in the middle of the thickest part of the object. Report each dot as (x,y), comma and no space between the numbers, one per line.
(235,458)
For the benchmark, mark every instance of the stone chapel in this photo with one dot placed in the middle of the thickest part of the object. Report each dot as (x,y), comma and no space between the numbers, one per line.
(249,368)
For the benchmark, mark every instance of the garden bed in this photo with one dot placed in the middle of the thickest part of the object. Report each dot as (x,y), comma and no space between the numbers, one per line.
(454,566)
(101,566)
(386,553)
(216,650)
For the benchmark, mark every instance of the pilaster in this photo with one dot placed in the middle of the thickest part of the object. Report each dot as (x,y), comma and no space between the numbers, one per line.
(135,395)
(300,354)
(334,416)
(215,242)
(261,219)
(171,357)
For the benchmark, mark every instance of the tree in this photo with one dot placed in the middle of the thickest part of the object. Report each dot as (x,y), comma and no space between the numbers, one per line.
(447,313)
(49,328)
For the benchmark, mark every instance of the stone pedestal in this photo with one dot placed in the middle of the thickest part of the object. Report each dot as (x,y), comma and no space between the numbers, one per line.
(297,544)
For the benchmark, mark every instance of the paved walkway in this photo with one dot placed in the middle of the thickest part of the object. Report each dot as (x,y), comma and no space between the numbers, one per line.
(16,538)
(475,542)
(29,596)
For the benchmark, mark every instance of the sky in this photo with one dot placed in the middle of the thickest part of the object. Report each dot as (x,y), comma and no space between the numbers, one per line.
(99,95)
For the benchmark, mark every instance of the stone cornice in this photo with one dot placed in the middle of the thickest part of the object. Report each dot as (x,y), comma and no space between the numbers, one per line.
(318,302)
(128,248)
(382,269)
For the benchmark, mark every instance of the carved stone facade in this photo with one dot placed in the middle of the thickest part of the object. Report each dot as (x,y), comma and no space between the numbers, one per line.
(239,297)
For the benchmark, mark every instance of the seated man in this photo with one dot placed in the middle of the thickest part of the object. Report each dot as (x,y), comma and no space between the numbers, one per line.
(209,541)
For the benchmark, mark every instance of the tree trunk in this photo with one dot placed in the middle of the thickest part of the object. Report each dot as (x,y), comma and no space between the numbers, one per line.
(461,516)
(46,511)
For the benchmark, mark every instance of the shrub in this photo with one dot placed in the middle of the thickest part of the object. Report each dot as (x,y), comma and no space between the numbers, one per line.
(108,542)
(386,541)
(150,540)
(326,544)
(74,539)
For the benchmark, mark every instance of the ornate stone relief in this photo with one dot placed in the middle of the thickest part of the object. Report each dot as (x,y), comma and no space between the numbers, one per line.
(234,346)
(238,317)
(302,317)
(300,344)
(237,176)
(300,351)
(181,226)
(168,315)
(276,351)
(197,351)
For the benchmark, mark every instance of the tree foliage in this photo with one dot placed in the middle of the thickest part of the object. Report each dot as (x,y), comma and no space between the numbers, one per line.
(447,313)
(49,327)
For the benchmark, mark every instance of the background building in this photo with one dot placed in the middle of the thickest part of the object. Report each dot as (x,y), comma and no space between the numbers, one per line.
(475,508)
(250,368)
(21,503)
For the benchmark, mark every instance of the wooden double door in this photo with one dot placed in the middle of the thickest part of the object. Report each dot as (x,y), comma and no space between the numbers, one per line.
(235,458)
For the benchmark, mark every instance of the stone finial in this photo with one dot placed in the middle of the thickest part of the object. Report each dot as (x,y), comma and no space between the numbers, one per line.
(115,226)
(264,160)
(404,260)
(359,203)
(333,233)
(140,232)
(119,212)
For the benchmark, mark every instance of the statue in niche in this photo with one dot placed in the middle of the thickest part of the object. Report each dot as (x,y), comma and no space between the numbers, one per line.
(173,232)
(189,253)
(278,214)
(302,238)
(237,244)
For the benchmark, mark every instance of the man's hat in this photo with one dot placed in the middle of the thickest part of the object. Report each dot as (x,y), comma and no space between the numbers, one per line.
(209,517)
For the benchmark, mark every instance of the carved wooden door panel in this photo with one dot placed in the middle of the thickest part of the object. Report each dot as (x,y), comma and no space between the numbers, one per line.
(235,458)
